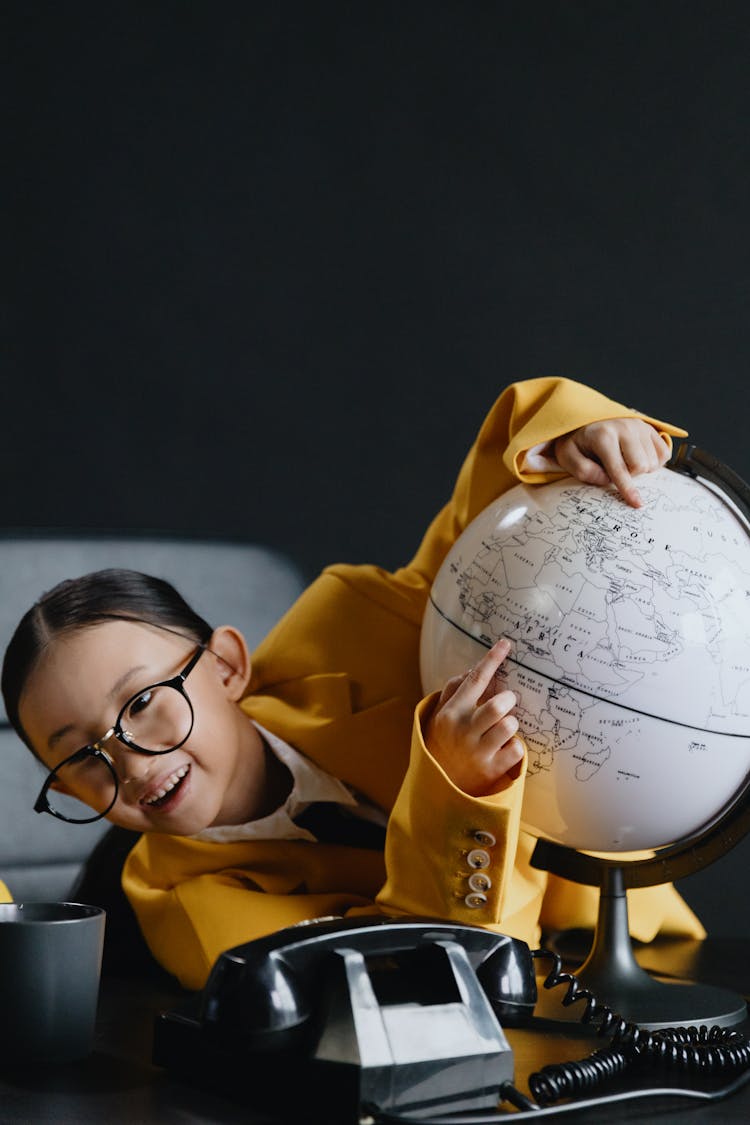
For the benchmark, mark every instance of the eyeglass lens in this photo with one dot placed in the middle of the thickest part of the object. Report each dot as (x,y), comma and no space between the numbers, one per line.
(156,721)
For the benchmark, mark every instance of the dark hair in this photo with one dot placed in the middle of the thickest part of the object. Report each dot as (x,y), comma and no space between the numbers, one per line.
(76,603)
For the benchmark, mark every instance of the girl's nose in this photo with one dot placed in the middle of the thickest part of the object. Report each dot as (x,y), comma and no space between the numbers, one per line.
(131,767)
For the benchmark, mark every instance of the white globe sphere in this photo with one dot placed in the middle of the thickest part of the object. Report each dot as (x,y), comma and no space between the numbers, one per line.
(631,651)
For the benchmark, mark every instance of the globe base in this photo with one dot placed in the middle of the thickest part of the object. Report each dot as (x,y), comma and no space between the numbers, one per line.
(647,1001)
(613,976)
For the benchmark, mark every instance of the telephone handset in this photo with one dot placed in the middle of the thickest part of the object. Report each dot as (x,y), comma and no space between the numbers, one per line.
(401,1018)
(267,992)
(379,1012)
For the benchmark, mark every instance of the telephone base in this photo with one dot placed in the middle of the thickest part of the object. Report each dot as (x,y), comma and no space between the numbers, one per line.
(283,1083)
(375,1041)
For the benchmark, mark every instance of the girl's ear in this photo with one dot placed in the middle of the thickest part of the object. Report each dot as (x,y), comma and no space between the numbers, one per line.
(233,665)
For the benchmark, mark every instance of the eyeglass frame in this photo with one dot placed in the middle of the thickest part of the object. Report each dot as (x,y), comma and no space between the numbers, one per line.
(95,749)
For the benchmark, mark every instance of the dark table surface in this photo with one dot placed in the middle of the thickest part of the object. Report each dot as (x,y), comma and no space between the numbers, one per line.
(119,1083)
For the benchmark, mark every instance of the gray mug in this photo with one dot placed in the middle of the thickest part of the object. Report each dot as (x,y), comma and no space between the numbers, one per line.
(50,964)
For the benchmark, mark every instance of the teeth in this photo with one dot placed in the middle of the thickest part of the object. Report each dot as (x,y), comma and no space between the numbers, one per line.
(167,785)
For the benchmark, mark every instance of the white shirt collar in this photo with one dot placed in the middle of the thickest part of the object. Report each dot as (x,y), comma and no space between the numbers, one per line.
(309,783)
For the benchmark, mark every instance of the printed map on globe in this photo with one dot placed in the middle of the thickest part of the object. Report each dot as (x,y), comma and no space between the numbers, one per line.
(631,651)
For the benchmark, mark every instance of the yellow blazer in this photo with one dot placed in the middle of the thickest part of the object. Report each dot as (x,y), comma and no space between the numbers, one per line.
(338,678)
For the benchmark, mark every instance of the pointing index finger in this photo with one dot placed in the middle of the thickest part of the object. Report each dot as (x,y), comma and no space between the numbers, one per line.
(619,474)
(480,675)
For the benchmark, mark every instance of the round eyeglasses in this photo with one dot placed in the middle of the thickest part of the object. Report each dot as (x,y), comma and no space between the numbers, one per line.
(156,720)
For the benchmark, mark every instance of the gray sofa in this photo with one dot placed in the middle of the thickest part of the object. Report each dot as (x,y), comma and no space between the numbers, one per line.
(228,583)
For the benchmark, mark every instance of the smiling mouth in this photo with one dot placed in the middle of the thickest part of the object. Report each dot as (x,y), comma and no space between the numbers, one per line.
(168,788)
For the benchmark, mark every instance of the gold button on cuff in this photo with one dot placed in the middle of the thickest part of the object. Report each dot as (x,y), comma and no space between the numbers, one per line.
(478,858)
(475,900)
(480,882)
(486,839)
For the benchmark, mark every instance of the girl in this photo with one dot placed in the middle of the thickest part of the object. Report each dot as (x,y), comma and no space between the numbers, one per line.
(260,787)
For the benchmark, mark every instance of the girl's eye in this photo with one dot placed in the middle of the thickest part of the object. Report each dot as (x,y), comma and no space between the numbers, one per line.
(83,762)
(141,703)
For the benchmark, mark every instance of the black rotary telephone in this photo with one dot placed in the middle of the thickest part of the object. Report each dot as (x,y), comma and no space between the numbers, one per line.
(395,1020)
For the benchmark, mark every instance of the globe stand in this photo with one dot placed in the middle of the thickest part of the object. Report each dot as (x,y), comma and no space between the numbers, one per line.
(611,972)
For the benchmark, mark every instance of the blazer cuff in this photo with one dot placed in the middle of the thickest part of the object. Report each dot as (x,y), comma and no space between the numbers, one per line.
(449,854)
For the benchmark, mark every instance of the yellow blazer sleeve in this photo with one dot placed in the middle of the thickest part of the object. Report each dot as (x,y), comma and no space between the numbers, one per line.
(195,899)
(439,838)
(5,895)
(526,414)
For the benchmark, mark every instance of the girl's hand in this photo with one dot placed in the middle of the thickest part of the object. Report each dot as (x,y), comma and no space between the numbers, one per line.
(612,451)
(471,733)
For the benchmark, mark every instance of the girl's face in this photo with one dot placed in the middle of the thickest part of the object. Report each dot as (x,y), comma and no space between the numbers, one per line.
(218,776)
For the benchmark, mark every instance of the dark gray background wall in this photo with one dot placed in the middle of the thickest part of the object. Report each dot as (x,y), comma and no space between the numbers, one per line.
(270,262)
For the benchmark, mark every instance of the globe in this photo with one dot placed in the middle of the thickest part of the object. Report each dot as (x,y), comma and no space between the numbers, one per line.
(630,662)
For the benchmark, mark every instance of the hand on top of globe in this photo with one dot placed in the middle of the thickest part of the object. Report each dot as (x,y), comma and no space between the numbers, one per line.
(613,452)
(471,732)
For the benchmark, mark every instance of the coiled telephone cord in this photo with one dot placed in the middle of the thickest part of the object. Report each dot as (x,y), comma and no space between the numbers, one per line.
(701,1051)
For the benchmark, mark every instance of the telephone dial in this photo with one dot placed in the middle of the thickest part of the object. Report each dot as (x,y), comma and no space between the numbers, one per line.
(394,1020)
